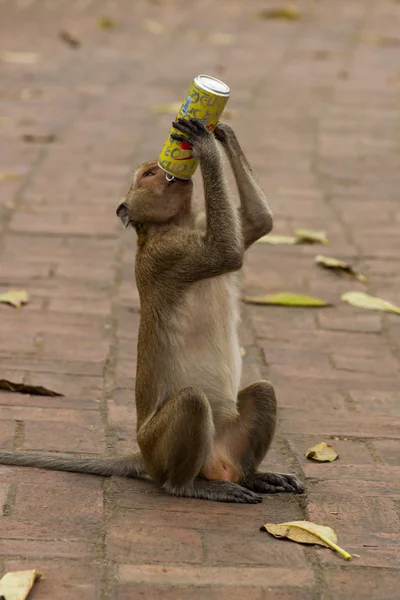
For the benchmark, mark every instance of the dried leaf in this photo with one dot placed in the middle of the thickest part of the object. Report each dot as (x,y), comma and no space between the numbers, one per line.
(19,57)
(16,585)
(9,176)
(309,236)
(339,266)
(305,532)
(170,108)
(277,239)
(14,297)
(105,23)
(22,388)
(363,300)
(221,39)
(285,299)
(322,453)
(242,351)
(154,27)
(45,138)
(284,13)
(69,39)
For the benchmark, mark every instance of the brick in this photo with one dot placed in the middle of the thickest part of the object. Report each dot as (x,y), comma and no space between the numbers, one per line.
(360,479)
(224,576)
(152,544)
(64,437)
(359,583)
(169,592)
(351,452)
(389,451)
(6,432)
(252,548)
(60,579)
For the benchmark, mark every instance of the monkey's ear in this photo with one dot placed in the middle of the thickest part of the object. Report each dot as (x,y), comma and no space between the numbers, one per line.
(123,214)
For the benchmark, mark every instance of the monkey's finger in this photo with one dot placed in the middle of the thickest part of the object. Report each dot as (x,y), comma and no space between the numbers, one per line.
(295,483)
(183,125)
(179,138)
(199,125)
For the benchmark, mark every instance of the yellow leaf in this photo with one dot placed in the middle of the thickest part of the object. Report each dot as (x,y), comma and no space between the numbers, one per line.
(23,388)
(154,27)
(363,300)
(170,108)
(16,585)
(105,23)
(16,298)
(19,57)
(338,266)
(322,452)
(221,39)
(9,176)
(277,239)
(305,532)
(242,351)
(285,299)
(308,236)
(285,13)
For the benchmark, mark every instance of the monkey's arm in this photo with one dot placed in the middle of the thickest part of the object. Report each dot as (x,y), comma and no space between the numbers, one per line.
(196,255)
(255,213)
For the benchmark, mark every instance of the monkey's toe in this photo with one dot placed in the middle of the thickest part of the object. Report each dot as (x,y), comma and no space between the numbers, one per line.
(273,483)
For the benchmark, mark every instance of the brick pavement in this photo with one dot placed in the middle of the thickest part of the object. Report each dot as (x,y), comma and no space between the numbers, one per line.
(317,110)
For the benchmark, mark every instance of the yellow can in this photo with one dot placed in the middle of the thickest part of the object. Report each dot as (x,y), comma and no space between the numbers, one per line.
(205,101)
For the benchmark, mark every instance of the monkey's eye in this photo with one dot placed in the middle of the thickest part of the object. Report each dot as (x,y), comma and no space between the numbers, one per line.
(149,174)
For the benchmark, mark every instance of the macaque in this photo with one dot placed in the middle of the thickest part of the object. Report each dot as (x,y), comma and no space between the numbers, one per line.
(199,435)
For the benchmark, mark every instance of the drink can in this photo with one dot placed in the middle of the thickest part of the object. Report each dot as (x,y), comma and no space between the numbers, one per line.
(206,100)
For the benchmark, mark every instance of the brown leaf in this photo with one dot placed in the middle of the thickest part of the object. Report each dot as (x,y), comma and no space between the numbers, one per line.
(322,453)
(69,39)
(45,138)
(284,13)
(22,388)
(15,298)
(305,532)
(339,266)
(16,585)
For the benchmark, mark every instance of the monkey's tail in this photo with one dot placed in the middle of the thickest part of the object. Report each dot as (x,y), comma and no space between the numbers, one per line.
(130,466)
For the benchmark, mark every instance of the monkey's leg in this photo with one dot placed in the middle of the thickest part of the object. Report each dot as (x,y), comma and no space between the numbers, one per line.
(252,437)
(176,443)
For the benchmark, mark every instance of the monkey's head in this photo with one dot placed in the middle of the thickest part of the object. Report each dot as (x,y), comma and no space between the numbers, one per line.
(154,199)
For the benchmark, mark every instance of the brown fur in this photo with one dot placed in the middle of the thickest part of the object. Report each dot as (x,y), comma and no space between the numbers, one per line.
(198,434)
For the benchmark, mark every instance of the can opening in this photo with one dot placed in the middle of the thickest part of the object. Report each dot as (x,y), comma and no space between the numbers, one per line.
(169,177)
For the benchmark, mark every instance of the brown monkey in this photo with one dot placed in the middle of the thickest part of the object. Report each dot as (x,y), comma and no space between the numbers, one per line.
(198,434)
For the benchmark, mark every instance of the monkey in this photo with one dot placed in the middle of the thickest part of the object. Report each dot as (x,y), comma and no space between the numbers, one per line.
(199,435)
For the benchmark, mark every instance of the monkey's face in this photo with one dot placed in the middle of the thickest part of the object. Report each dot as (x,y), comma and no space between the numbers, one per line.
(154,199)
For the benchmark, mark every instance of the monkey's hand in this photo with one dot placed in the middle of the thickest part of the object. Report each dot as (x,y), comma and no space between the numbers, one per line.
(195,134)
(224,133)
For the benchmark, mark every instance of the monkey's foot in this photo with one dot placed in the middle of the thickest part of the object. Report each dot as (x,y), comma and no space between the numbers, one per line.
(272,483)
(218,491)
